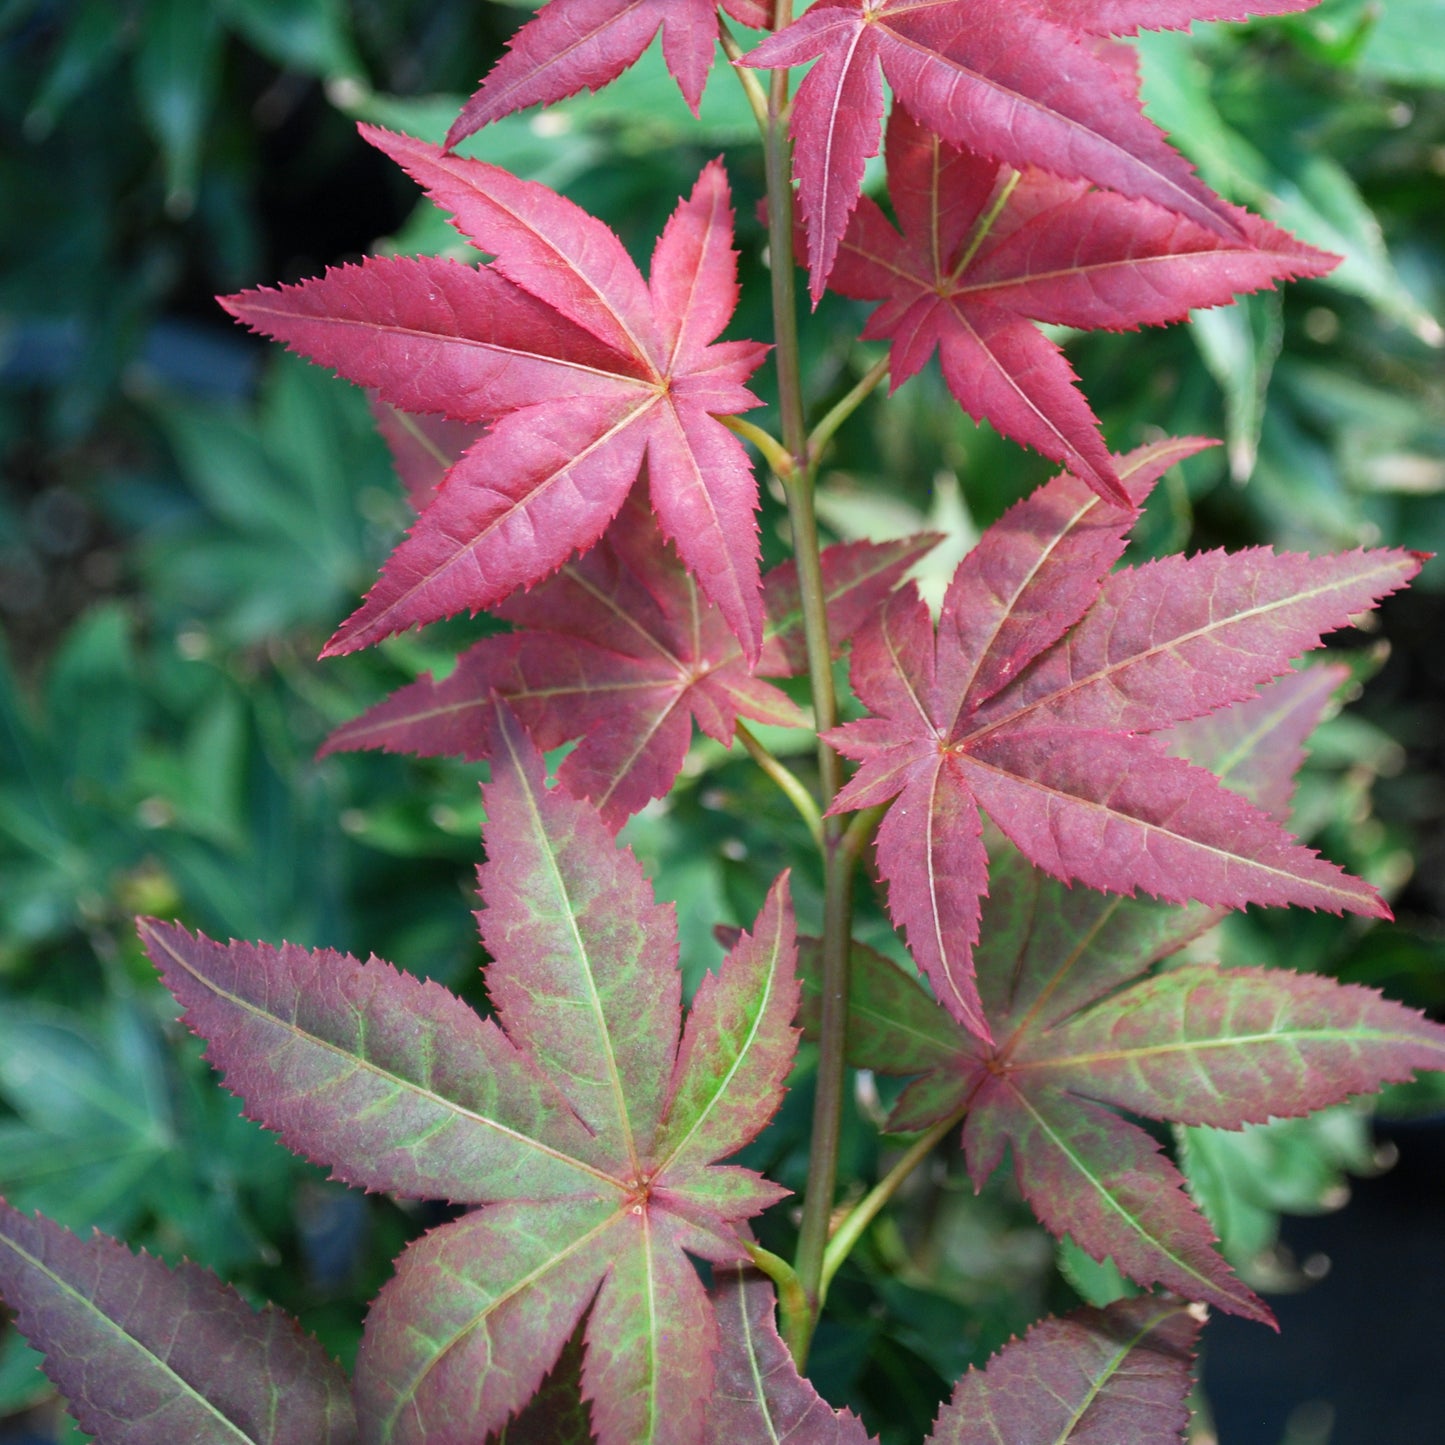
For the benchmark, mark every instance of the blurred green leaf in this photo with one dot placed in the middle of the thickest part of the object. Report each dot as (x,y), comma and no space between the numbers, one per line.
(176,72)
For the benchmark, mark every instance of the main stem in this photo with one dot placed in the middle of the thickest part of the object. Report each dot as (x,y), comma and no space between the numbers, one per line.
(839,861)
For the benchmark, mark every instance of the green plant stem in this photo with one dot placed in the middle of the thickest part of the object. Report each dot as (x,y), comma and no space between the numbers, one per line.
(776,455)
(828,1098)
(840,859)
(756,95)
(822,434)
(850,1231)
(792,1302)
(797,794)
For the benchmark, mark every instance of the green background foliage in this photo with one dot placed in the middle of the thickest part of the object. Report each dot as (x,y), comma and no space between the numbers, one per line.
(184,517)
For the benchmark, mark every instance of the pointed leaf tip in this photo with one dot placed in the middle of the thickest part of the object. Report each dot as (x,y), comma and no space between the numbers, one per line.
(144,1352)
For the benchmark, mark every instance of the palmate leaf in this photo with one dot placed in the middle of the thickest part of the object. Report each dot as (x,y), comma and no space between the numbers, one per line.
(1004,79)
(620,650)
(983,256)
(580,1122)
(583,371)
(1073,1032)
(143,1352)
(1034,701)
(1118,1376)
(572,45)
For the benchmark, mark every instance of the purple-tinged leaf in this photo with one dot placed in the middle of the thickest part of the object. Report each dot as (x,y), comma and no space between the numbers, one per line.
(557,1414)
(390,1079)
(572,45)
(1009,711)
(758,1394)
(1118,1376)
(475,1315)
(584,974)
(1127,17)
(1088,1174)
(584,1133)
(145,1353)
(1257,746)
(1182,636)
(894,1027)
(1074,1029)
(1115,811)
(1228,1047)
(423,448)
(737,1046)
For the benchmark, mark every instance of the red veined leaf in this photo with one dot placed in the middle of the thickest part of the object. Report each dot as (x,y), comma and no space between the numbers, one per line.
(1003,80)
(1079,1025)
(144,1352)
(1118,1376)
(581,371)
(985,252)
(620,650)
(1039,733)
(572,45)
(585,1134)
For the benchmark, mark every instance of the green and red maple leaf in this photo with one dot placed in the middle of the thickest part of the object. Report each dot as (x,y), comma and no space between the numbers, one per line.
(582,370)
(579,1121)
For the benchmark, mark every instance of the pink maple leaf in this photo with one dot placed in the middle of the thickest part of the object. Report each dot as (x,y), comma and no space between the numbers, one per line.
(1034,700)
(583,369)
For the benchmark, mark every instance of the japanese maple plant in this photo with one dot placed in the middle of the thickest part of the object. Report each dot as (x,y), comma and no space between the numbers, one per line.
(1062,778)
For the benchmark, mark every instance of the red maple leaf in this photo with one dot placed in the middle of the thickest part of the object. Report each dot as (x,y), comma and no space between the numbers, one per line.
(1004,79)
(1127,17)
(1033,701)
(573,45)
(582,368)
(1084,1024)
(620,650)
(985,252)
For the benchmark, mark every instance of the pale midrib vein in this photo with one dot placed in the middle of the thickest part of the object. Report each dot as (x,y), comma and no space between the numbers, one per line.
(1007,608)
(1239,860)
(555,255)
(1084,269)
(604,1033)
(1106,1372)
(407,1393)
(722,1084)
(760,1393)
(1372,1038)
(184,1386)
(1106,1195)
(1206,631)
(521,505)
(449,1105)
(449,338)
(640,744)
(1018,97)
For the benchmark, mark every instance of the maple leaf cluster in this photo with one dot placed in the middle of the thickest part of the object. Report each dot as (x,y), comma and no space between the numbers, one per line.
(558,420)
